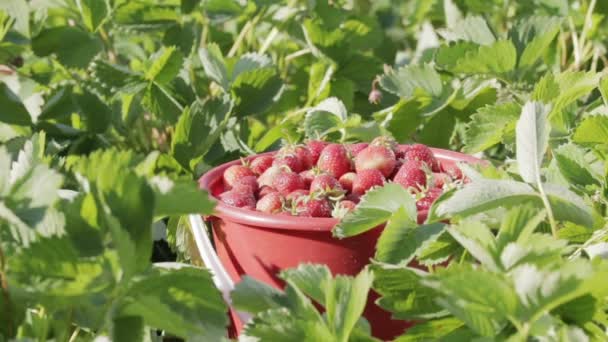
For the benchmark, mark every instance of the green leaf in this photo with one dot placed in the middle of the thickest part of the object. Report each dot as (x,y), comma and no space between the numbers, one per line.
(180,197)
(97,114)
(162,102)
(326,117)
(376,207)
(478,240)
(128,328)
(472,29)
(483,307)
(72,46)
(197,129)
(179,299)
(568,206)
(254,90)
(573,166)
(402,238)
(495,59)
(14,112)
(532,140)
(488,125)
(253,296)
(532,36)
(345,299)
(518,224)
(403,295)
(319,80)
(442,329)
(575,233)
(481,195)
(214,65)
(405,80)
(164,65)
(94,13)
(250,61)
(145,15)
(604,89)
(591,131)
(19,10)
(309,278)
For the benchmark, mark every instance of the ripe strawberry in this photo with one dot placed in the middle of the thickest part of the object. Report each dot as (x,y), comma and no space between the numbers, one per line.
(296,194)
(411,175)
(315,147)
(327,185)
(271,203)
(429,198)
(353,198)
(424,154)
(265,190)
(346,181)
(289,160)
(398,164)
(389,142)
(354,149)
(305,157)
(269,175)
(401,150)
(334,160)
(367,179)
(238,199)
(342,208)
(308,176)
(453,171)
(440,179)
(235,172)
(311,207)
(260,164)
(286,182)
(376,157)
(248,183)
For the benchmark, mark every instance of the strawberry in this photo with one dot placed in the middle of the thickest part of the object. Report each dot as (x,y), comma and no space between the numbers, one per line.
(327,185)
(296,194)
(440,179)
(271,203)
(411,175)
(311,207)
(429,198)
(315,147)
(367,179)
(334,160)
(424,154)
(265,190)
(235,172)
(398,164)
(389,142)
(268,176)
(453,171)
(304,156)
(376,157)
(346,181)
(248,183)
(353,198)
(400,151)
(239,199)
(342,208)
(354,149)
(286,182)
(289,160)
(308,176)
(260,164)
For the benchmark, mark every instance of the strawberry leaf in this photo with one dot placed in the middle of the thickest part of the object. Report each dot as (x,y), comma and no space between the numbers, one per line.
(405,80)
(254,90)
(164,65)
(72,46)
(214,65)
(573,166)
(94,13)
(592,130)
(532,140)
(376,207)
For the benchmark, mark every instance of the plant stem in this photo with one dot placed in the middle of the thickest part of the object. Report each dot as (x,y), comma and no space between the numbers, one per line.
(74,335)
(271,36)
(5,294)
(547,205)
(244,31)
(297,54)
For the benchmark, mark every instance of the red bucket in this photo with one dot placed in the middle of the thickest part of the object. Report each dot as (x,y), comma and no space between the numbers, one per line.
(260,245)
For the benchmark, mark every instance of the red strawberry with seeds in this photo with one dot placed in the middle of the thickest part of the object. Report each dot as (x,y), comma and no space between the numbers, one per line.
(238,199)
(411,175)
(401,150)
(440,179)
(289,160)
(424,154)
(376,157)
(305,157)
(311,207)
(334,160)
(354,149)
(353,198)
(346,181)
(367,179)
(286,182)
(308,176)
(327,185)
(271,203)
(454,172)
(269,175)
(248,183)
(260,164)
(235,172)
(315,147)
(265,190)
(429,198)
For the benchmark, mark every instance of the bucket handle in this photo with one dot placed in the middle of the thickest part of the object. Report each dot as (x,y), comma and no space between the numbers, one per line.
(220,276)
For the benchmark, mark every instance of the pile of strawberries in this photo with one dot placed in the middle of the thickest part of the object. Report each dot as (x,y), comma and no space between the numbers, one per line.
(323,179)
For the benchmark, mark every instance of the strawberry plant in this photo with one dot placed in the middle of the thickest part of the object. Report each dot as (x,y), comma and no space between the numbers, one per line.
(110,110)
